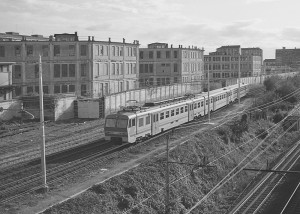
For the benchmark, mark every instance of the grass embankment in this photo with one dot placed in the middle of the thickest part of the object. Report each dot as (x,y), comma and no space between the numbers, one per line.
(146,182)
(121,193)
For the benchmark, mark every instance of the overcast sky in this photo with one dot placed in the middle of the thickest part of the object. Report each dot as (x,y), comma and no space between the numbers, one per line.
(268,24)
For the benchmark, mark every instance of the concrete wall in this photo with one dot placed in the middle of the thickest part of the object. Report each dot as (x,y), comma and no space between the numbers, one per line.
(65,108)
(115,101)
(13,106)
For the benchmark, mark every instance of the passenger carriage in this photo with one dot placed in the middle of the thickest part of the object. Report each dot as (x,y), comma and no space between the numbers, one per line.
(135,124)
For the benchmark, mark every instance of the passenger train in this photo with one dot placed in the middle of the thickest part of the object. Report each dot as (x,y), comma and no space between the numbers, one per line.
(132,125)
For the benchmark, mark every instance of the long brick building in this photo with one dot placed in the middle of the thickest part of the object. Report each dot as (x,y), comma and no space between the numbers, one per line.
(83,67)
(164,65)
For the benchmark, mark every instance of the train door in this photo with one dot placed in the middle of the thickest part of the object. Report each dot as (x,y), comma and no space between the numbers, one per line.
(191,111)
(155,124)
(214,102)
(132,129)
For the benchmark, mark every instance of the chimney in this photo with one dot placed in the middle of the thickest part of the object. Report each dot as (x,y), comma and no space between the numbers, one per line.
(137,42)
(123,40)
(89,38)
(171,45)
(109,39)
(93,39)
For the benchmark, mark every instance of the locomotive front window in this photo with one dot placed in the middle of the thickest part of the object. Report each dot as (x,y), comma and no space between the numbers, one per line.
(121,123)
(110,122)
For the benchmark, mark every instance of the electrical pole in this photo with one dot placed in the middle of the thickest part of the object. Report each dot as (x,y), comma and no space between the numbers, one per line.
(167,200)
(239,97)
(208,88)
(42,127)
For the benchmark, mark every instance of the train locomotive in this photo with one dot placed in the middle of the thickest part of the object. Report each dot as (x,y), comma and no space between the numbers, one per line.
(133,124)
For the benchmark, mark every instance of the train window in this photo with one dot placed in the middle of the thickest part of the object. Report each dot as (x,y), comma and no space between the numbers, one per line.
(154,120)
(206,102)
(211,100)
(110,122)
(162,116)
(202,103)
(181,110)
(167,114)
(141,122)
(121,123)
(172,113)
(195,105)
(147,120)
(133,122)
(156,117)
(177,111)
(199,105)
(186,108)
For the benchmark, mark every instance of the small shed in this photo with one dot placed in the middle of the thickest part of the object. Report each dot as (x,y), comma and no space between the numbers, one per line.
(89,108)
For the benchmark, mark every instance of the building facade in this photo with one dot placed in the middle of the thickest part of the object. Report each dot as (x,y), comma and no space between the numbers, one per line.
(83,67)
(6,87)
(271,67)
(160,64)
(288,57)
(224,63)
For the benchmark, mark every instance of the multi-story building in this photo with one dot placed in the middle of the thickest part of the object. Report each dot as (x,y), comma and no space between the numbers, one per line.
(14,36)
(84,67)
(288,57)
(163,65)
(224,63)
(6,87)
(271,67)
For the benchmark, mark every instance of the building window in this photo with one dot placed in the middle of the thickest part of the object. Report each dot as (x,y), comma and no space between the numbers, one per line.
(29,50)
(45,50)
(167,54)
(106,68)
(2,51)
(83,50)
(29,89)
(64,70)
(158,54)
(141,54)
(150,68)
(113,50)
(146,68)
(141,68)
(56,50)
(64,89)
(17,72)
(175,67)
(150,54)
(71,50)
(83,90)
(45,89)
(175,79)
(56,70)
(36,70)
(71,70)
(175,54)
(56,89)
(113,69)
(83,70)
(71,88)
(17,50)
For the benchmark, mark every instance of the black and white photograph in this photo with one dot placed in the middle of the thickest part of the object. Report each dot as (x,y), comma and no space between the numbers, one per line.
(149,107)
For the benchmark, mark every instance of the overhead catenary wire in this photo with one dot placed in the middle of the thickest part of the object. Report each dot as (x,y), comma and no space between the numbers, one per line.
(226,178)
(161,189)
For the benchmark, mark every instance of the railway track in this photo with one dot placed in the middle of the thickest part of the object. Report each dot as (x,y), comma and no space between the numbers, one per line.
(15,184)
(52,148)
(256,199)
(292,205)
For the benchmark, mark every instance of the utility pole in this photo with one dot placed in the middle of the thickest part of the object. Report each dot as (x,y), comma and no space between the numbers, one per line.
(42,127)
(167,200)
(239,97)
(208,89)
